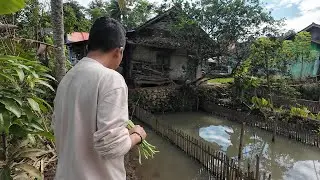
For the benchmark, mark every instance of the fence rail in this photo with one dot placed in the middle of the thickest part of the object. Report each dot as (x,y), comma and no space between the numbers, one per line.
(220,166)
(298,132)
(313,106)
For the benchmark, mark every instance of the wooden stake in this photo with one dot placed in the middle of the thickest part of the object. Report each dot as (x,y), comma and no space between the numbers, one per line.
(258,168)
(274,128)
(241,141)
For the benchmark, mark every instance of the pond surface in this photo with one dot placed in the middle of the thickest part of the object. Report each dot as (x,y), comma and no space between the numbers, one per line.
(284,159)
(170,164)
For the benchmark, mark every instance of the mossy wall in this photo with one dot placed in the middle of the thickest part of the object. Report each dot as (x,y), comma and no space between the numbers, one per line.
(164,99)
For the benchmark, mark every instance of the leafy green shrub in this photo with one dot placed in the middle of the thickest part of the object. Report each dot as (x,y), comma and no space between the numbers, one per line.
(261,103)
(300,112)
(310,91)
(22,115)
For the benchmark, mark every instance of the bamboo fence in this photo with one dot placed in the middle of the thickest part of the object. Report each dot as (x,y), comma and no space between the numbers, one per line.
(218,164)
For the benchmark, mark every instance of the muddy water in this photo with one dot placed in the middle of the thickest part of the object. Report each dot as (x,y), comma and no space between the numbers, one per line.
(284,159)
(170,164)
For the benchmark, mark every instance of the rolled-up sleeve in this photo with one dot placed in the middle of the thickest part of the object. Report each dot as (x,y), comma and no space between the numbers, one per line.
(112,139)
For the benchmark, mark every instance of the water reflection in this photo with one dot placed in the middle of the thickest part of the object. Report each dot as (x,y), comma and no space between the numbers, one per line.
(217,134)
(284,159)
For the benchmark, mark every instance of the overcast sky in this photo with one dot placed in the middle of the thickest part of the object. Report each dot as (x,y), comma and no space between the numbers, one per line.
(298,13)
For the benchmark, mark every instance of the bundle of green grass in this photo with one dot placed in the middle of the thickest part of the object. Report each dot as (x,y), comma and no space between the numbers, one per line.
(145,148)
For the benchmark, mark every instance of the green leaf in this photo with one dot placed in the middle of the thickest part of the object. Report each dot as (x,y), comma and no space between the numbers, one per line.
(1,122)
(20,74)
(5,122)
(35,75)
(31,170)
(49,76)
(34,105)
(18,131)
(11,106)
(5,173)
(11,6)
(40,91)
(31,81)
(45,84)
(45,134)
(34,124)
(41,101)
(28,112)
(17,99)
(7,77)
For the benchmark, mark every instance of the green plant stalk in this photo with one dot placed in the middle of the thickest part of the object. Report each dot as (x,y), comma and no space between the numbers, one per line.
(144,148)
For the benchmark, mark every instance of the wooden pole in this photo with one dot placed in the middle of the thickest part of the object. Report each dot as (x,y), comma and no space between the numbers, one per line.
(258,168)
(198,104)
(275,128)
(241,141)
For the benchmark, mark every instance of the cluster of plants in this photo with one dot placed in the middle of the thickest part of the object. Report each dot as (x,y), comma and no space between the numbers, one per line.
(310,91)
(26,139)
(268,109)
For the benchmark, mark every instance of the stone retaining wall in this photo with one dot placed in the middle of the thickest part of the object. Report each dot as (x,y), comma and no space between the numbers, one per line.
(164,99)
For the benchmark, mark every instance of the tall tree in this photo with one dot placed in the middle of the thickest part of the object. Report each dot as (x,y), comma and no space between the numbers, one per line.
(139,12)
(58,36)
(265,52)
(303,50)
(75,17)
(97,8)
(230,23)
(115,10)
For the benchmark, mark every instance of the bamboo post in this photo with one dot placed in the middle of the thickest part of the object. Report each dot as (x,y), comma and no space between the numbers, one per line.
(221,164)
(275,128)
(249,172)
(258,168)
(241,141)
(264,176)
(197,103)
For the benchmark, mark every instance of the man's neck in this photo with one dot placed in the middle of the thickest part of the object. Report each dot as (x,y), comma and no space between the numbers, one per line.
(99,57)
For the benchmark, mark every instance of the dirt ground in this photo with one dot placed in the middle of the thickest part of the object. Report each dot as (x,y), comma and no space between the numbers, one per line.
(131,163)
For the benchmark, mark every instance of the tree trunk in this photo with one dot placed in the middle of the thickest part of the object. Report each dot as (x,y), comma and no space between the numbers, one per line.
(58,37)
(268,76)
(301,72)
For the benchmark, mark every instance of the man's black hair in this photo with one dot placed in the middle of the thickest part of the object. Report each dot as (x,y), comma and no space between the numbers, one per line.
(106,34)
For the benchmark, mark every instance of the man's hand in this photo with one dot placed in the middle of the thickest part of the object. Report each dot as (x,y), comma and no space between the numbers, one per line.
(137,134)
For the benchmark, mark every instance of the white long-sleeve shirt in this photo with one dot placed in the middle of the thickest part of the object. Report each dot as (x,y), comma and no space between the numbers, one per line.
(90,114)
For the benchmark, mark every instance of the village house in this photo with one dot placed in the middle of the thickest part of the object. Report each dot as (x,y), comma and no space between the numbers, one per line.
(311,69)
(152,56)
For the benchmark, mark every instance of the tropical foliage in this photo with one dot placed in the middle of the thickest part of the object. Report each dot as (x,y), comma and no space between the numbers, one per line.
(23,120)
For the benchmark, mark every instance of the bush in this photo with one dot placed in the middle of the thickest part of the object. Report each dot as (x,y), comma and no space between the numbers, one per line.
(310,91)
(23,120)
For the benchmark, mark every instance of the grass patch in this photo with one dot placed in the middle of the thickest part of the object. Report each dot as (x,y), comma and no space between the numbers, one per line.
(221,80)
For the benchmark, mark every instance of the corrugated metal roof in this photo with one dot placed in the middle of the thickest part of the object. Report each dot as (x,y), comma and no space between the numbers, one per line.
(77,37)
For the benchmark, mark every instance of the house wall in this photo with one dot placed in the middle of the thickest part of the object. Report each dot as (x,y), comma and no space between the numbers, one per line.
(178,59)
(178,64)
(315,34)
(143,53)
(310,69)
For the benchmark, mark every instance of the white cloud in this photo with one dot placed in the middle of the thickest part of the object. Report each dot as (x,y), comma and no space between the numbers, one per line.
(298,23)
(309,5)
(309,13)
